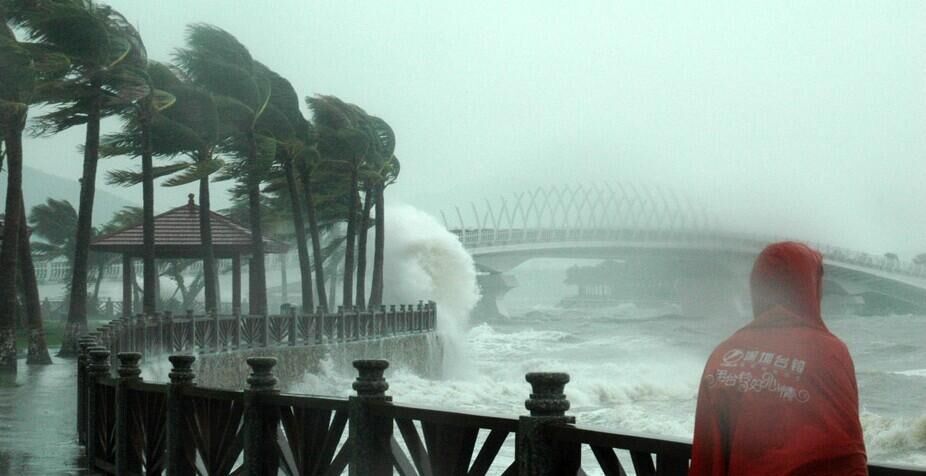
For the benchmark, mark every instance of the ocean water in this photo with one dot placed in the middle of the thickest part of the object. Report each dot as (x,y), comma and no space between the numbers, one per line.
(637,373)
(632,368)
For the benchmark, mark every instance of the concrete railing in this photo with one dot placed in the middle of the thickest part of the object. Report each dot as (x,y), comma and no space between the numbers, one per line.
(168,333)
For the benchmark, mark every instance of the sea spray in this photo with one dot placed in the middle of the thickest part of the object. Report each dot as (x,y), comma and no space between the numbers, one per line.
(424,261)
(888,437)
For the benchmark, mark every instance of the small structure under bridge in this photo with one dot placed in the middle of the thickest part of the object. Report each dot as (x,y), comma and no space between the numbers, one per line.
(664,232)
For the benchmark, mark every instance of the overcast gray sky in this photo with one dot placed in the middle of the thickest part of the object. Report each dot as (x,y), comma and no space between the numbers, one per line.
(800,118)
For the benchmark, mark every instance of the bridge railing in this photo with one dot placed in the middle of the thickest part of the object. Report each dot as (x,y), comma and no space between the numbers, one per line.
(134,427)
(482,238)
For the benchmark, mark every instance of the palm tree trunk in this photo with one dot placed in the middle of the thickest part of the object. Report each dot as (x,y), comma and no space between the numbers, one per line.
(376,287)
(77,311)
(305,271)
(347,288)
(362,249)
(38,347)
(318,260)
(257,272)
(205,236)
(8,251)
(150,276)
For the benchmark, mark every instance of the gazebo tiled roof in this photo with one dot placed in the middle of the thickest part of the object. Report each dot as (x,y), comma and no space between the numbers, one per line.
(176,235)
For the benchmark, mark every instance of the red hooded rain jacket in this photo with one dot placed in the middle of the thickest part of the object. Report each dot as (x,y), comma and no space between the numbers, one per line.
(779,397)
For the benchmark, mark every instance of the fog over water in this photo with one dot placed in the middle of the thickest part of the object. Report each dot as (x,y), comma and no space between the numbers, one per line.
(795,118)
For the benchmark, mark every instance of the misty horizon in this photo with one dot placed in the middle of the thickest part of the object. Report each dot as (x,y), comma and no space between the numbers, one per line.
(795,120)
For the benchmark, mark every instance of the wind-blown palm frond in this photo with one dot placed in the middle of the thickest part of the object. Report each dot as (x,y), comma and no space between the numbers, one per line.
(128,178)
(195,171)
(54,220)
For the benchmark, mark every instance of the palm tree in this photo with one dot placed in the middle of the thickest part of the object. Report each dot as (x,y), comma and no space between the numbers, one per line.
(307,168)
(342,140)
(107,57)
(387,175)
(284,122)
(55,222)
(189,128)
(216,61)
(138,117)
(17,82)
(381,169)
(37,353)
(23,66)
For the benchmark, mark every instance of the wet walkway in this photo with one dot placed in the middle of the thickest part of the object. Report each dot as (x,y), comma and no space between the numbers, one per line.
(38,433)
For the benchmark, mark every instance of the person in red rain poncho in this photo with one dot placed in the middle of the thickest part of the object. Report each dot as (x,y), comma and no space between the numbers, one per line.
(779,397)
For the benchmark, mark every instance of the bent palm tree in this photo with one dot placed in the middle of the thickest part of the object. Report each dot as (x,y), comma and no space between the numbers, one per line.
(23,67)
(284,122)
(107,55)
(136,131)
(216,61)
(189,128)
(382,168)
(342,141)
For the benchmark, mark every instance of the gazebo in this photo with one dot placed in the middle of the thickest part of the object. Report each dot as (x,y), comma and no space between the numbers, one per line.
(176,236)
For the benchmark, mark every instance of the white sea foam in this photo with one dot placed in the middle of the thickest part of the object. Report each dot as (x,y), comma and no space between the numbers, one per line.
(425,261)
(912,373)
(895,438)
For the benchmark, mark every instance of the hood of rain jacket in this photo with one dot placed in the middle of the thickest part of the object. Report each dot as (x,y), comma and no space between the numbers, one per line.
(779,397)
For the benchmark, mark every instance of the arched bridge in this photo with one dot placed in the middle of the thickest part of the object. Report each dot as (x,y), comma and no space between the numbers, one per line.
(667,235)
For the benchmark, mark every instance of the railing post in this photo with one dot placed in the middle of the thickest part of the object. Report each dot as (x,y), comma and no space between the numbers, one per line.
(216,331)
(266,326)
(341,315)
(178,440)
(536,454)
(237,334)
(157,346)
(400,321)
(141,323)
(293,328)
(260,420)
(126,461)
(84,343)
(167,333)
(381,332)
(192,321)
(319,324)
(391,318)
(419,317)
(97,369)
(305,316)
(370,434)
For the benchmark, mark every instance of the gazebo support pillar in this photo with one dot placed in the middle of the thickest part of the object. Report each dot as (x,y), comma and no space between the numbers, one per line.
(236,284)
(127,277)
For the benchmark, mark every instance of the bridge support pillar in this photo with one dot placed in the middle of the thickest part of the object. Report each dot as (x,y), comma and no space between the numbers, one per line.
(493,287)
